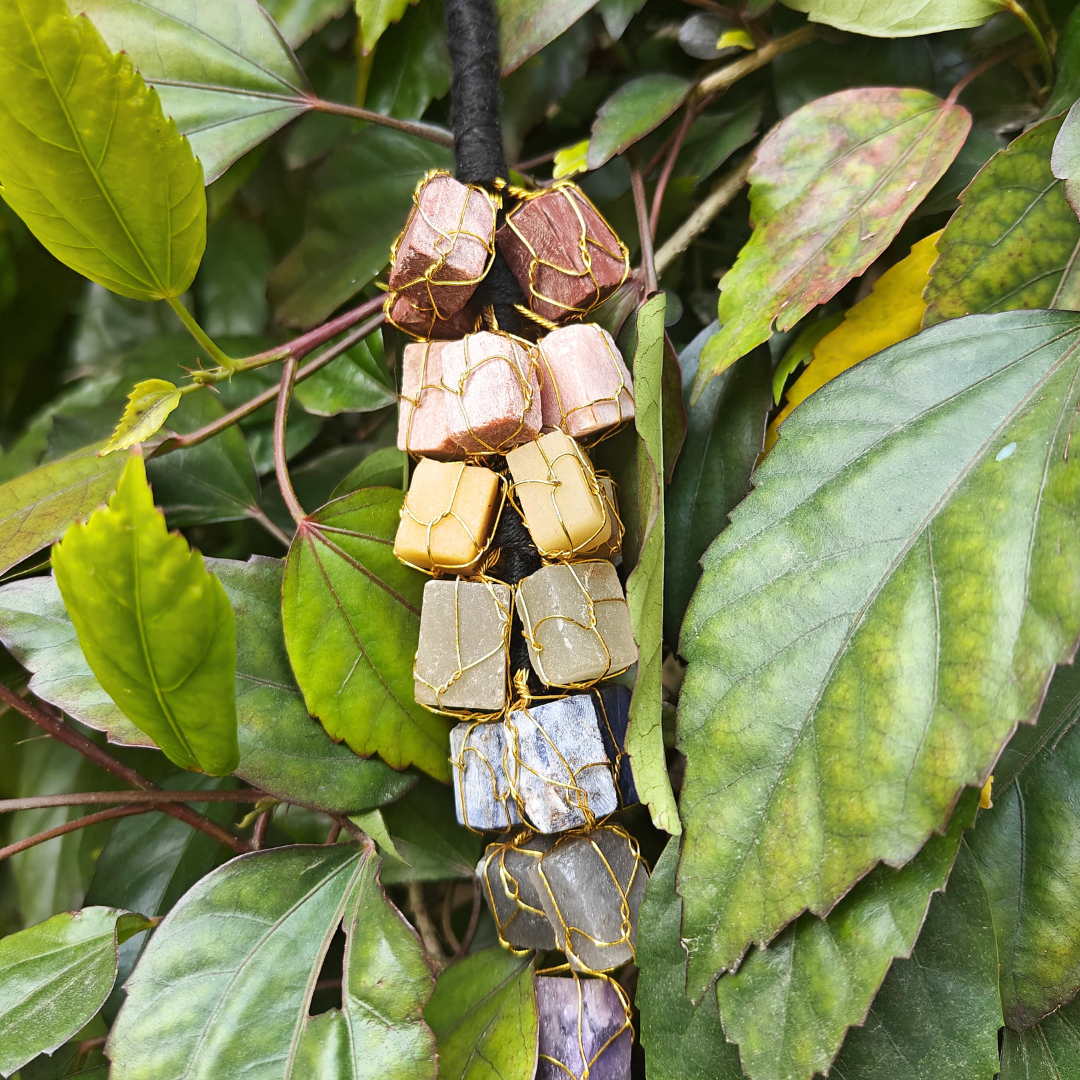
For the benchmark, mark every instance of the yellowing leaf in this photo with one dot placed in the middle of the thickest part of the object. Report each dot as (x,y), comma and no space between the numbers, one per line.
(735,37)
(570,160)
(892,312)
(148,407)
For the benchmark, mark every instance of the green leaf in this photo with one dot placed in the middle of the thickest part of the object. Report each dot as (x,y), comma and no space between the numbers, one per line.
(936,1014)
(634,110)
(802,350)
(375,16)
(1067,85)
(724,436)
(37,630)
(1048,1051)
(384,467)
(148,407)
(380,1029)
(645,585)
(299,19)
(223,71)
(247,944)
(361,196)
(39,506)
(55,977)
(830,187)
(617,15)
(483,1013)
(282,750)
(413,66)
(682,1041)
(713,138)
(155,627)
(789,1006)
(1013,242)
(526,26)
(352,619)
(1026,849)
(89,161)
(897,18)
(824,736)
(357,381)
(231,286)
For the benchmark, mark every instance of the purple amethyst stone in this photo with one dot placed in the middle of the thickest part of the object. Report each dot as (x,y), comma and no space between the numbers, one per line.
(596,1021)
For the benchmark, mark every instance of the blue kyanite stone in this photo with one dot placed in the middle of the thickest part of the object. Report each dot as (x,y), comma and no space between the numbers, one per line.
(582,1014)
(482,796)
(613,708)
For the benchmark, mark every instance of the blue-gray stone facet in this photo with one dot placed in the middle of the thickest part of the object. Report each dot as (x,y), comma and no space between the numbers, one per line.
(512,894)
(482,796)
(557,765)
(576,1015)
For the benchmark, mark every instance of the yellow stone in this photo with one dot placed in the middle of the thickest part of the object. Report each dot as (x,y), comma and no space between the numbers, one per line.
(448,517)
(559,495)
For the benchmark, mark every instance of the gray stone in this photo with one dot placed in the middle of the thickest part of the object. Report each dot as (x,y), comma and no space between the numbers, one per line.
(512,895)
(482,795)
(591,885)
(557,766)
(582,1014)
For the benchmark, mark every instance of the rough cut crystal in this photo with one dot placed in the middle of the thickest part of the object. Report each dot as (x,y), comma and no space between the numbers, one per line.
(576,623)
(511,892)
(562,252)
(591,885)
(422,428)
(448,516)
(446,245)
(423,322)
(578,1015)
(462,656)
(493,392)
(560,496)
(586,387)
(482,796)
(557,767)
(612,701)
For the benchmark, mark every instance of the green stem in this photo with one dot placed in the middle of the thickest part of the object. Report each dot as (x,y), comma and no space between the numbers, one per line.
(201,336)
(1045,58)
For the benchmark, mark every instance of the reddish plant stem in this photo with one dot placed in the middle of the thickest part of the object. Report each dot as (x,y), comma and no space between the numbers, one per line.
(128,798)
(689,115)
(258,834)
(193,438)
(66,734)
(474,920)
(421,131)
(977,70)
(343,822)
(281,420)
(332,835)
(72,826)
(642,210)
(309,342)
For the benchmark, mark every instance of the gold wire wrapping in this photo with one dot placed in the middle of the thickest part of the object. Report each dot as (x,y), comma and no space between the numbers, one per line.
(572,451)
(627,1026)
(465,321)
(575,795)
(472,753)
(472,443)
(414,402)
(530,630)
(574,198)
(612,547)
(616,398)
(565,933)
(513,890)
(505,612)
(437,568)
(443,245)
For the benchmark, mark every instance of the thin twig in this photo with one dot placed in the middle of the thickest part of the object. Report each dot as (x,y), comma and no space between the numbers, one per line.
(193,438)
(1045,58)
(727,187)
(979,69)
(333,834)
(424,925)
(689,113)
(641,208)
(474,920)
(344,822)
(730,74)
(67,734)
(129,798)
(421,131)
(258,834)
(281,462)
(72,826)
(448,918)
(259,515)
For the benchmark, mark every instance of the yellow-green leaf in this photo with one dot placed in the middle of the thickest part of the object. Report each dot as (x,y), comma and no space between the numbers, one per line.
(89,161)
(156,628)
(148,407)
(571,160)
(731,38)
(892,312)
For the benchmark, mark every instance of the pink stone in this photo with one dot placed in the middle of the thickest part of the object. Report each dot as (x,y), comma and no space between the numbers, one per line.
(446,246)
(493,392)
(422,428)
(586,387)
(422,322)
(562,252)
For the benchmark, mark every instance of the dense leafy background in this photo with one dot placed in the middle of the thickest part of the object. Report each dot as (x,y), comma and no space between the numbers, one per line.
(882,396)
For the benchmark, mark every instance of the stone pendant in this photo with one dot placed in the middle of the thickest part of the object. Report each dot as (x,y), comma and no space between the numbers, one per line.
(482,796)
(422,427)
(585,1030)
(512,893)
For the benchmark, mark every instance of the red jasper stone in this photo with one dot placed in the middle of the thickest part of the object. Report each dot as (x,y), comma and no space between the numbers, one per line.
(422,322)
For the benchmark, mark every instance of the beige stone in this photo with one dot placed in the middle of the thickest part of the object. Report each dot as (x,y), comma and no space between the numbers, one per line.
(576,622)
(448,516)
(461,658)
(559,496)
